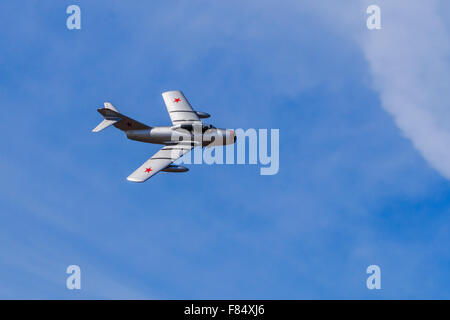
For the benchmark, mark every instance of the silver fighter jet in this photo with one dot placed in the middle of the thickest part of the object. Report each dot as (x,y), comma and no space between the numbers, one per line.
(187,131)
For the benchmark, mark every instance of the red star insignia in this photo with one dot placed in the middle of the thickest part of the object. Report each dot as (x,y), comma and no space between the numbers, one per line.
(176,100)
(148,170)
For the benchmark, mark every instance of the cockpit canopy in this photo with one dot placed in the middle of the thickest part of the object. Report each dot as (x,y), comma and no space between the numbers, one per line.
(206,127)
(190,127)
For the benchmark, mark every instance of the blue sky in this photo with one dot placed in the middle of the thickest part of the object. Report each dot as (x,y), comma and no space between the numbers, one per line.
(361,179)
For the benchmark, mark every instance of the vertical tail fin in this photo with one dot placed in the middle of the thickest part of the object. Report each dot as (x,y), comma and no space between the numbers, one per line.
(121,122)
(110,117)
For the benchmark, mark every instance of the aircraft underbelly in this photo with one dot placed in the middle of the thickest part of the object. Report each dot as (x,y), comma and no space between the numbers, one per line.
(159,135)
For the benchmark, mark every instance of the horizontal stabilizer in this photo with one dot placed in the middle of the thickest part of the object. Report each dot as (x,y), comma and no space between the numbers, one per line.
(103,125)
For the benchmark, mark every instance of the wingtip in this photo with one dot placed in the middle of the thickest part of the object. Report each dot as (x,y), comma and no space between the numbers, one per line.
(134,180)
(170,91)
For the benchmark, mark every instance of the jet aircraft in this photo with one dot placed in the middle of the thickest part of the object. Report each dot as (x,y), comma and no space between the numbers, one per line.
(186,132)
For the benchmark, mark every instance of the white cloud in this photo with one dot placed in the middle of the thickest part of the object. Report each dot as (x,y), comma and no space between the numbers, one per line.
(409,62)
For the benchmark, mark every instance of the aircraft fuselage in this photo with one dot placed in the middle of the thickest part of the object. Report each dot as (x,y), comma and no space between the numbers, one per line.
(168,135)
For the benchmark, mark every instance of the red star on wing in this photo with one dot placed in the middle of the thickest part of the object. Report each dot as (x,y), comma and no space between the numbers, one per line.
(176,100)
(148,170)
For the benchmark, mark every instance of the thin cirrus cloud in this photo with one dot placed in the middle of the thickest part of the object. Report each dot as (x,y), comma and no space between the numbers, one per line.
(409,66)
(409,60)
